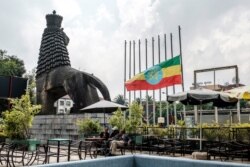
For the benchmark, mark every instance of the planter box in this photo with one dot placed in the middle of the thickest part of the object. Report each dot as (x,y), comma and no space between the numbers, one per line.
(31,143)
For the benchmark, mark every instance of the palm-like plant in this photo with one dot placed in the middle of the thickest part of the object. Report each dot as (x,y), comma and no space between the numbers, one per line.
(120,99)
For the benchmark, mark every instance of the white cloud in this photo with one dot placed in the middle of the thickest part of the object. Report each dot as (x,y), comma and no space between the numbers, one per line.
(213,33)
(71,8)
(224,45)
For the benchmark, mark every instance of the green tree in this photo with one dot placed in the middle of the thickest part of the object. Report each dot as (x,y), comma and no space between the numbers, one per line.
(135,117)
(31,85)
(18,120)
(117,119)
(11,65)
(120,99)
(138,100)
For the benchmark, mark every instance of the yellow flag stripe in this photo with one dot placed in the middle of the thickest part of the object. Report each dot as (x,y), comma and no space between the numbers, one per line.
(171,71)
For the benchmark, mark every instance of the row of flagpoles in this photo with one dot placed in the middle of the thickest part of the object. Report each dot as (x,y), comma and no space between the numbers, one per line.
(128,69)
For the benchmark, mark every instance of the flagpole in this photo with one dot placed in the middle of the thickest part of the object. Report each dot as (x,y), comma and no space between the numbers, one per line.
(134,65)
(125,65)
(172,55)
(146,55)
(153,90)
(129,70)
(165,46)
(159,54)
(182,77)
(139,49)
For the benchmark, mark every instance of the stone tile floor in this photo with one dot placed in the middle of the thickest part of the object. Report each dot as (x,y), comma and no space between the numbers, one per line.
(75,157)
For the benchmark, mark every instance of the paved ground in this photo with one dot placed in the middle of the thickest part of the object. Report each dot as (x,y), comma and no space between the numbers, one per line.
(74,157)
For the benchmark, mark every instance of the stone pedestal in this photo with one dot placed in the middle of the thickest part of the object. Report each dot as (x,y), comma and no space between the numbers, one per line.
(55,126)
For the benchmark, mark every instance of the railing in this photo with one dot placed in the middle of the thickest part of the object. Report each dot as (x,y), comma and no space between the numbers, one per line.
(241,134)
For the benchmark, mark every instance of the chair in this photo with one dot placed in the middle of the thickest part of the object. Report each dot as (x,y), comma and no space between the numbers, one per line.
(219,149)
(238,150)
(75,148)
(5,152)
(138,143)
(102,148)
(88,148)
(44,151)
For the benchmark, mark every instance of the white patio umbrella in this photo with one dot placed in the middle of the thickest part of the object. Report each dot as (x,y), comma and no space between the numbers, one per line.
(202,96)
(103,106)
(242,92)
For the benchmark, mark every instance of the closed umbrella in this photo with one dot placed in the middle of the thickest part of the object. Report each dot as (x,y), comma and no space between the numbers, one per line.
(103,106)
(202,96)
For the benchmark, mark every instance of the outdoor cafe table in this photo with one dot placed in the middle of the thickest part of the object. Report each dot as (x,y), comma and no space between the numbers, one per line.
(95,139)
(59,141)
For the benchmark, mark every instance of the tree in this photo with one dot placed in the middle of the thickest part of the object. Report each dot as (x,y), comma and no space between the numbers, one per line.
(133,121)
(138,100)
(120,99)
(135,117)
(32,85)
(117,119)
(11,65)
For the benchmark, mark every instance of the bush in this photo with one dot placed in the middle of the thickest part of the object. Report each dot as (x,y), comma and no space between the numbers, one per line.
(18,120)
(88,126)
(117,119)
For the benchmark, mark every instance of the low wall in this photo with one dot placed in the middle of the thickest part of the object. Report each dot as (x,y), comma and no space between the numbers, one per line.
(145,161)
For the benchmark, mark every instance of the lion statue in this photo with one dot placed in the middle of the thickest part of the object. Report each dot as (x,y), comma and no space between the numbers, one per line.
(55,77)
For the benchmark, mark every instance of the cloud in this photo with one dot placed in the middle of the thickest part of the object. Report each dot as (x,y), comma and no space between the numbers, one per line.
(214,33)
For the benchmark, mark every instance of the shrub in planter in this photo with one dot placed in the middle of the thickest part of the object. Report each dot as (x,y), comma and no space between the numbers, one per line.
(88,127)
(117,119)
(17,121)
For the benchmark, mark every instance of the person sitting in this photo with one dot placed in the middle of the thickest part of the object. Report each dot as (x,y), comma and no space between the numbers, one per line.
(105,134)
(120,140)
(115,131)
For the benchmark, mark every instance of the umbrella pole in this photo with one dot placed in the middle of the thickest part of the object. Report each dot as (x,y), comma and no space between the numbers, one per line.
(175,114)
(200,126)
(238,112)
(216,114)
(104,118)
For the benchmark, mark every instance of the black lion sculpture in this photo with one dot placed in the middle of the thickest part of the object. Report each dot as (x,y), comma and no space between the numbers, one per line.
(55,77)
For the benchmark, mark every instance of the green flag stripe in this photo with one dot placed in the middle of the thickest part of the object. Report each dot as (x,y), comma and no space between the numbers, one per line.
(171,62)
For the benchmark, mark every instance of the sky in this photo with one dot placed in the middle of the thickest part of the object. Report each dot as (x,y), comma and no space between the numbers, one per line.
(214,34)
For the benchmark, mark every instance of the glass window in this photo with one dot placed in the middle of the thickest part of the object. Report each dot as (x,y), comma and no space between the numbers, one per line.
(94,115)
(68,103)
(61,103)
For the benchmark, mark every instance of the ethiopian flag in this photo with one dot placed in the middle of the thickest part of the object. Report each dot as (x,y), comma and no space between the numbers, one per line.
(165,74)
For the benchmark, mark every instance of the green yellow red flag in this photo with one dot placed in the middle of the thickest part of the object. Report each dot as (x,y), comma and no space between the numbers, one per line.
(165,74)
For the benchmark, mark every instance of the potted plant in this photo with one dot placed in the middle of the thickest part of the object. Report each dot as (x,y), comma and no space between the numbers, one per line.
(18,120)
(88,127)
